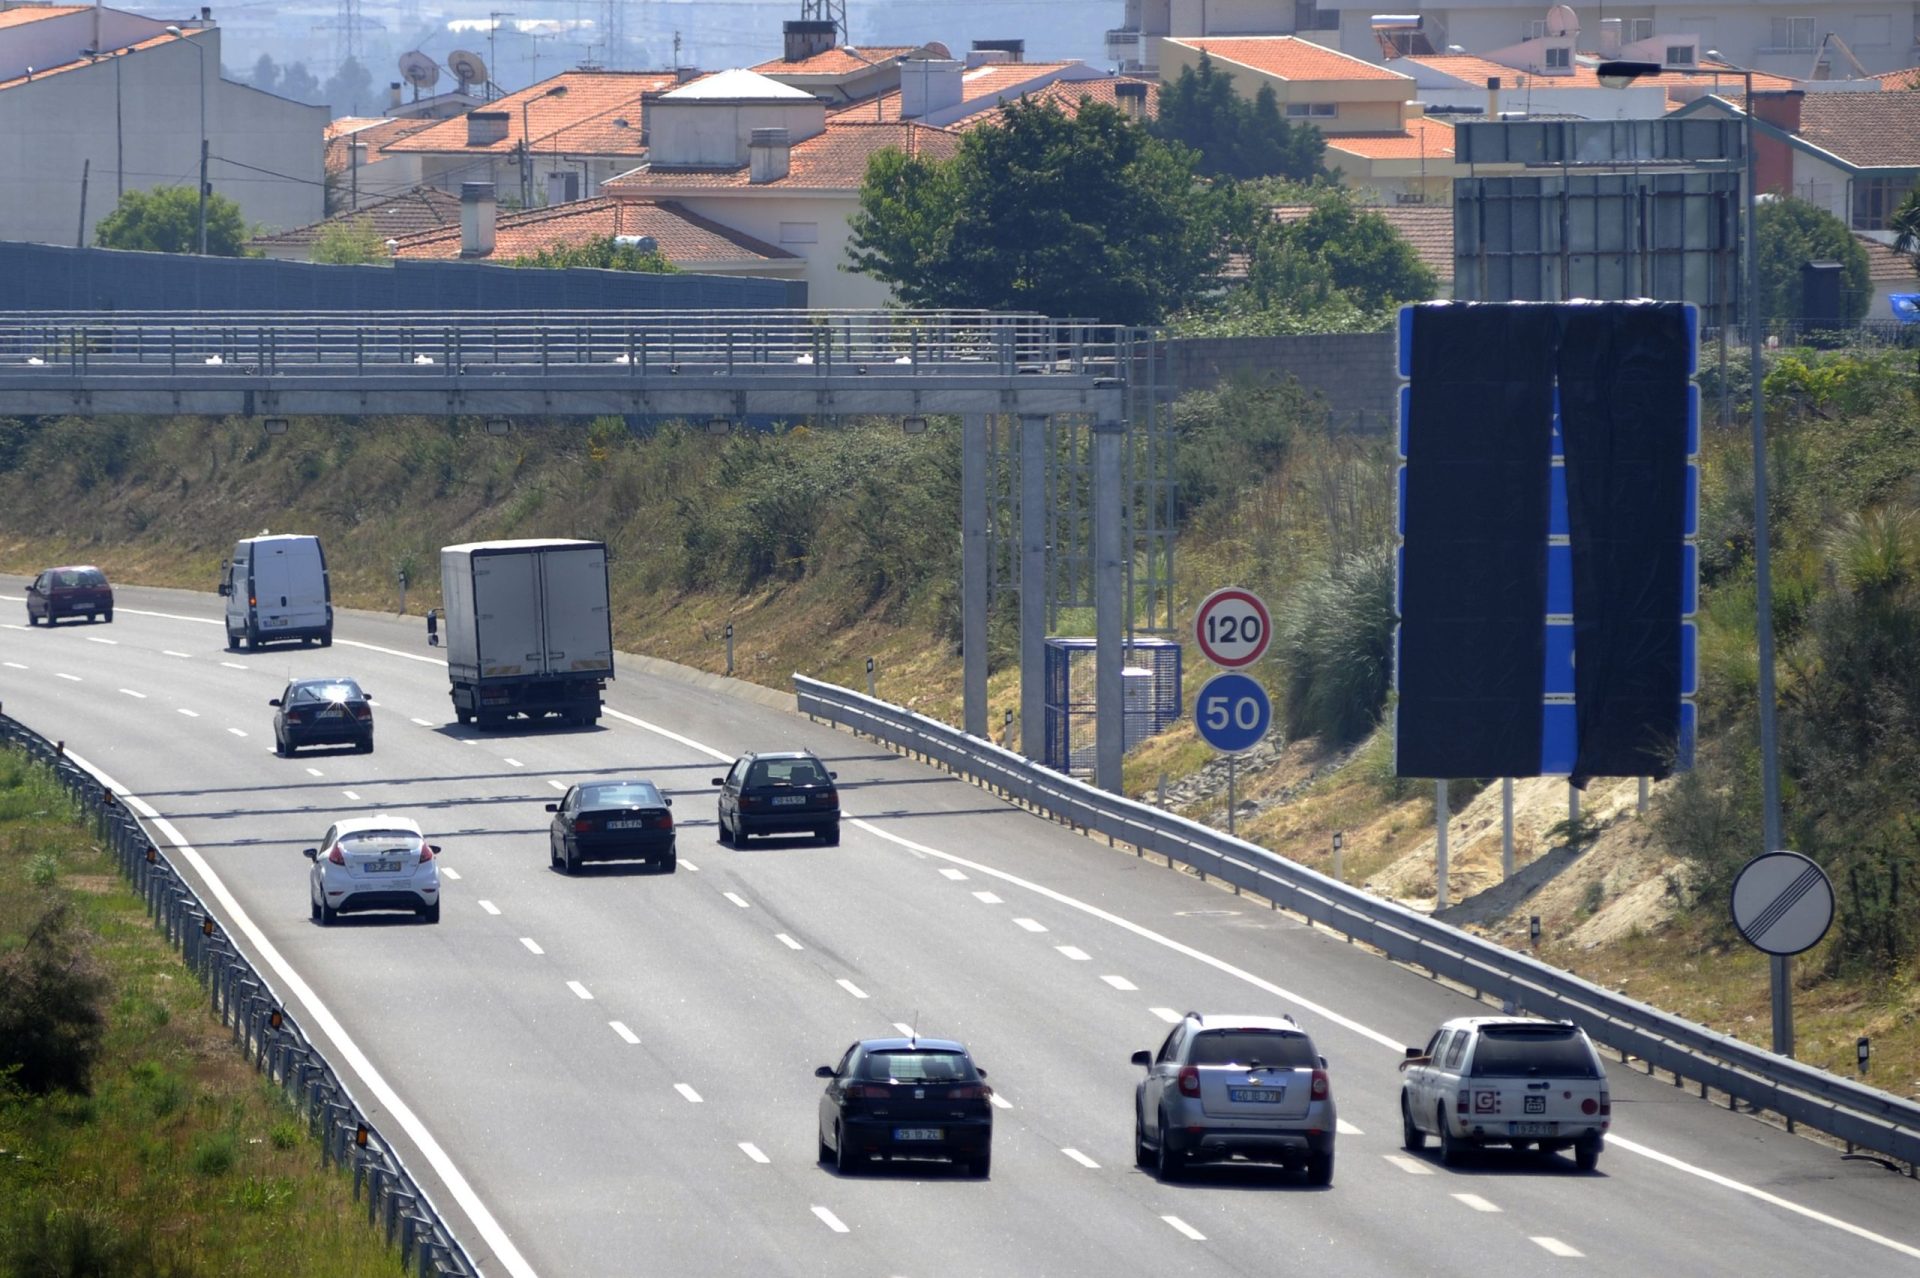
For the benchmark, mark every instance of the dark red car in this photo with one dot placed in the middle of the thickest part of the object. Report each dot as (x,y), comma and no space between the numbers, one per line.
(78,590)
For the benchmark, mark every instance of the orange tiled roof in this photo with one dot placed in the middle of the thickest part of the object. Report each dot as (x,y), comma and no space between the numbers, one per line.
(393,217)
(78,64)
(1420,136)
(374,134)
(1465,66)
(1288,58)
(1901,80)
(837,61)
(580,122)
(26,13)
(1427,227)
(835,160)
(1884,266)
(981,87)
(1872,130)
(685,238)
(1067,95)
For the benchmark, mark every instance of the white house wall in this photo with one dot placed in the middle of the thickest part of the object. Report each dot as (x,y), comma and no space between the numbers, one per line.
(56,41)
(716,132)
(765,216)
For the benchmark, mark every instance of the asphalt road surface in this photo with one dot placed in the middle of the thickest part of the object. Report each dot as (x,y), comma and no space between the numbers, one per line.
(612,1074)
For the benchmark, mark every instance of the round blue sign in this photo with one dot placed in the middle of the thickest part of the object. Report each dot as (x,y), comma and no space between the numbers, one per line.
(1232,712)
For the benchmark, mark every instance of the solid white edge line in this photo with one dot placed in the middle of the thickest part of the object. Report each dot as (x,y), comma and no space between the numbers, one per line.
(1081,1158)
(752,1151)
(693,1097)
(669,734)
(830,1220)
(1185,1228)
(624,1032)
(354,1059)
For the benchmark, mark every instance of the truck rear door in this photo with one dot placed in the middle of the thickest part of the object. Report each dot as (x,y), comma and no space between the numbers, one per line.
(506,616)
(579,636)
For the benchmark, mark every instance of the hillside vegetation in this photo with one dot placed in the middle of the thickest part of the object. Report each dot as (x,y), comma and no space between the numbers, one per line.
(824,546)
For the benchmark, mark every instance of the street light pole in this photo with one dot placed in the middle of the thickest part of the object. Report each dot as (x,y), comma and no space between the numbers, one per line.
(178,34)
(526,143)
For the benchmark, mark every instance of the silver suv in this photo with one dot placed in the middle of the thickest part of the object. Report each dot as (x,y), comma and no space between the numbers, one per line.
(1221,1086)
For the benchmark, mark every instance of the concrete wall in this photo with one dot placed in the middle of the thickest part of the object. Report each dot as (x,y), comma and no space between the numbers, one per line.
(1352,373)
(715,131)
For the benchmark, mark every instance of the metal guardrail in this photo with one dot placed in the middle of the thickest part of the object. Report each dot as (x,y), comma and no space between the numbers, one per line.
(263,1029)
(1862,1116)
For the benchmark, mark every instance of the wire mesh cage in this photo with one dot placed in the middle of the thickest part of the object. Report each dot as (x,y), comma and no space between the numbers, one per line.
(1150,678)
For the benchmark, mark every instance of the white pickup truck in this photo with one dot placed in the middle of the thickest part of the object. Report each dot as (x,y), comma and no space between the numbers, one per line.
(1506,1080)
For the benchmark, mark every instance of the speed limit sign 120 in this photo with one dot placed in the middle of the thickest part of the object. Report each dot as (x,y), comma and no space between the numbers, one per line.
(1232,627)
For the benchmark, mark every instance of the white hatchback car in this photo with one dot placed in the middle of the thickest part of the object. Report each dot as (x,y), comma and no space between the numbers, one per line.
(1506,1080)
(374,863)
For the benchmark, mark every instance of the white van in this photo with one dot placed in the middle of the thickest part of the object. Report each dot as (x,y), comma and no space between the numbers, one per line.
(276,588)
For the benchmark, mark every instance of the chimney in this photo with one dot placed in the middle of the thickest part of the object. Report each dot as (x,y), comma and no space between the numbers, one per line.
(1609,37)
(206,14)
(476,219)
(1016,50)
(928,85)
(806,38)
(393,95)
(681,75)
(768,155)
(1132,97)
(1493,97)
(484,127)
(1772,160)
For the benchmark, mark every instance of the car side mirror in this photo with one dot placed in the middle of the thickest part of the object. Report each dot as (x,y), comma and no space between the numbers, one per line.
(312,854)
(553,807)
(226,588)
(719,780)
(666,800)
(824,1071)
(1143,1059)
(981,1072)
(274,701)
(1323,1062)
(434,848)
(1415,1053)
(833,776)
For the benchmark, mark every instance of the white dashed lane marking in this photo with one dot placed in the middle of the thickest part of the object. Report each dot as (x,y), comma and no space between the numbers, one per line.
(315,772)
(830,1220)
(449,872)
(688,865)
(692,1096)
(1345,1128)
(1000,1101)
(14,665)
(69,678)
(489,907)
(131,693)
(423,723)
(98,639)
(233,665)
(752,1151)
(580,989)
(513,763)
(956,875)
(533,946)
(558,785)
(1475,1201)
(1411,1166)
(1167,1014)
(1120,982)
(351,795)
(1081,1158)
(788,941)
(238,732)
(906,1030)
(191,714)
(737,899)
(168,652)
(1555,1247)
(625,1033)
(1073,952)
(1032,925)
(1183,1227)
(986,898)
(850,987)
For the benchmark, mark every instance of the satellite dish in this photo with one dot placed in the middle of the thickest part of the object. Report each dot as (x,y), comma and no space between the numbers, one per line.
(467,68)
(1561,20)
(420,71)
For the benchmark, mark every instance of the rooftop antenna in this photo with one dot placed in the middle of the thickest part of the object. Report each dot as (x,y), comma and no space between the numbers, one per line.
(834,11)
(493,25)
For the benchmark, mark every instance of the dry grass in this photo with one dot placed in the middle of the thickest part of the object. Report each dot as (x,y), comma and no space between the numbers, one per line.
(182,1160)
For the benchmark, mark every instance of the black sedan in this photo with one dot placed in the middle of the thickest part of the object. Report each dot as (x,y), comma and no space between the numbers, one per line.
(778,792)
(906,1098)
(322,712)
(611,821)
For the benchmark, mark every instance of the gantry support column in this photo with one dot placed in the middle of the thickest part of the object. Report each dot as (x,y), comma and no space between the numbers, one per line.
(1109,605)
(974,548)
(1033,585)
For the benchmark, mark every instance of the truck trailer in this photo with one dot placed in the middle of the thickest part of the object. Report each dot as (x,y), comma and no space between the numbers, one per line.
(528,629)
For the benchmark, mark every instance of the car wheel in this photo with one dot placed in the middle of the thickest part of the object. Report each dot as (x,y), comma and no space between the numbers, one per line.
(553,854)
(845,1161)
(1320,1169)
(464,716)
(280,746)
(671,863)
(570,860)
(328,915)
(826,1150)
(740,835)
(982,1167)
(725,835)
(1451,1148)
(431,913)
(1170,1163)
(107,616)
(32,620)
(233,641)
(1586,1153)
(250,639)
(1142,1152)
(365,747)
(326,639)
(1412,1139)
(830,836)
(313,908)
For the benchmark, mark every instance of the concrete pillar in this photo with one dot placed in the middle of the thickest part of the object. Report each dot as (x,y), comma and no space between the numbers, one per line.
(1033,585)
(1109,605)
(1440,815)
(973,571)
(1506,828)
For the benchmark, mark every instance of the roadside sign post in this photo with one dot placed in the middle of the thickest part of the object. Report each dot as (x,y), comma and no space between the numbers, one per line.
(1782,905)
(729,649)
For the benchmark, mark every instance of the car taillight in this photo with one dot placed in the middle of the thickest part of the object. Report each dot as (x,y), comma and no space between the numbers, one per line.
(335,857)
(252,602)
(748,801)
(426,852)
(869,1091)
(1319,1086)
(1189,1081)
(582,826)
(362,712)
(827,796)
(1589,1106)
(664,821)
(1606,1105)
(1460,1106)
(977,1091)
(296,716)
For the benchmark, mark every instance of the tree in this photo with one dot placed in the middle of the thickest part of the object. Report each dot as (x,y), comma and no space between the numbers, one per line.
(1086,215)
(348,88)
(1793,233)
(166,219)
(1348,249)
(266,73)
(355,241)
(601,254)
(1234,137)
(298,83)
(1906,228)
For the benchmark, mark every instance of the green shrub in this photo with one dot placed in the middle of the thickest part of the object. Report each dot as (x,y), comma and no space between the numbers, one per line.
(1335,637)
(52,995)
(214,1154)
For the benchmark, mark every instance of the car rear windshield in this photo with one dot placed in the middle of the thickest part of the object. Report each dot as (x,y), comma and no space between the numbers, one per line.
(336,690)
(68,578)
(1526,1051)
(919,1067)
(377,840)
(1252,1046)
(626,794)
(785,772)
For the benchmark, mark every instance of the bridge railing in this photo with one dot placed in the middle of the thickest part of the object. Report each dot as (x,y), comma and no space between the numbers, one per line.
(265,1031)
(1860,1115)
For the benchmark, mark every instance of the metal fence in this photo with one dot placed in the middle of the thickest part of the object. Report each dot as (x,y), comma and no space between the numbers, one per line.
(1862,1116)
(263,1029)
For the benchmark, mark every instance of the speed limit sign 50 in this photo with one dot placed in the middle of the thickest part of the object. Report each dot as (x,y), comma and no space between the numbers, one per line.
(1232,627)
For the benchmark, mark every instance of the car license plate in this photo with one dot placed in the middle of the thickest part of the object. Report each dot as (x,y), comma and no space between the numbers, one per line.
(383,867)
(1262,1095)
(788,800)
(917,1133)
(276,621)
(1532,1129)
(626,825)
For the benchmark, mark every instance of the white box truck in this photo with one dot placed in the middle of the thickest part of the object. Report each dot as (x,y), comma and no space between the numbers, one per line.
(276,588)
(528,629)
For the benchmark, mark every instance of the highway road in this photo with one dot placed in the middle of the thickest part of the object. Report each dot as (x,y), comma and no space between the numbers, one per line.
(612,1074)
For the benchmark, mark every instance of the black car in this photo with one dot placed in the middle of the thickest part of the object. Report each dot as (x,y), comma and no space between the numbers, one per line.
(78,590)
(906,1098)
(611,821)
(322,712)
(778,792)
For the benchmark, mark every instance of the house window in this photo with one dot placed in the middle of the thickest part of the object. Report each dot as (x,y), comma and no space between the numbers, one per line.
(1793,33)
(1535,30)
(1313,110)
(1559,59)
(1637,29)
(1875,199)
(799,232)
(1679,55)
(1309,17)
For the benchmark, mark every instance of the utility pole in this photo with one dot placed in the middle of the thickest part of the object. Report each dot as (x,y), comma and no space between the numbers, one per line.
(493,61)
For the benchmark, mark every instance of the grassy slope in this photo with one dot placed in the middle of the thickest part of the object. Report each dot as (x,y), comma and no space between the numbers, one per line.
(387,494)
(183,1160)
